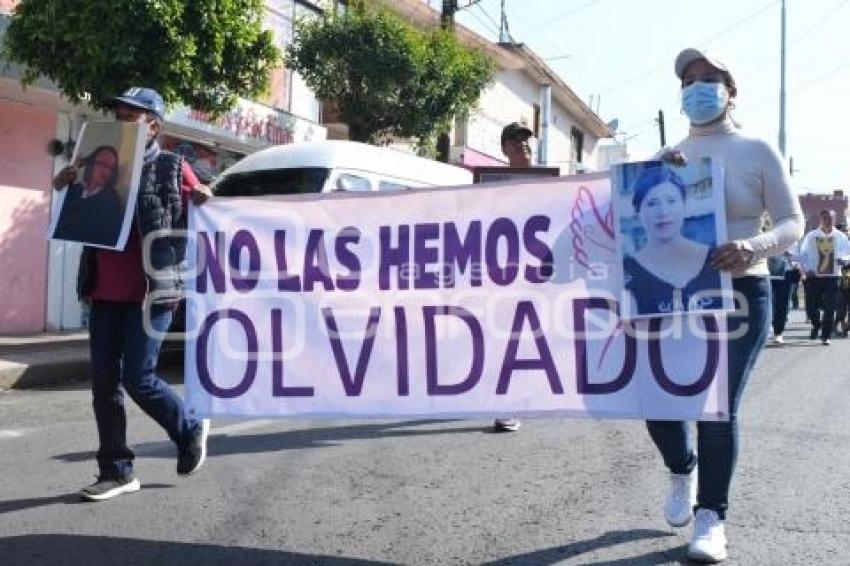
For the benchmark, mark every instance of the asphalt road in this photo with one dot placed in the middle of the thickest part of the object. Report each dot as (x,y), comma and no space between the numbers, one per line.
(440,492)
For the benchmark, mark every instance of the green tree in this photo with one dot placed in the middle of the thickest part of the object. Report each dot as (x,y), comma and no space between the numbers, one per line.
(205,53)
(386,77)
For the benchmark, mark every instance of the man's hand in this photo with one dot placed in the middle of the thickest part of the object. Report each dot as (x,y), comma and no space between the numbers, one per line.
(200,194)
(65,177)
(733,256)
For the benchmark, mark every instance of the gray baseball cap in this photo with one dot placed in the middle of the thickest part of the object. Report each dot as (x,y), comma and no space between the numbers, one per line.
(689,55)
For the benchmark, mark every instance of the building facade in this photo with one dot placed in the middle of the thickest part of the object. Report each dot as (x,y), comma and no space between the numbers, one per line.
(568,134)
(39,277)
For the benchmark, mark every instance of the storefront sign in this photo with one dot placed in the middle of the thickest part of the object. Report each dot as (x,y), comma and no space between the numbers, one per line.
(250,123)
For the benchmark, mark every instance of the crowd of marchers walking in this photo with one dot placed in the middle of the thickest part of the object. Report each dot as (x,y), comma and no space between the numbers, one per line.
(819,265)
(124,355)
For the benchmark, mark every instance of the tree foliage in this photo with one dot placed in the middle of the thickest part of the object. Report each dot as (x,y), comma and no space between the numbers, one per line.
(205,53)
(386,77)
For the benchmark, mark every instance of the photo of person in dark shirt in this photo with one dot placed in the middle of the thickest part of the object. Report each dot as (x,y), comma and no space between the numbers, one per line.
(92,212)
(670,273)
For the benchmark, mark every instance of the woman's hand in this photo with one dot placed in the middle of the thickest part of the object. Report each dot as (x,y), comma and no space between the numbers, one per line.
(732,256)
(673,157)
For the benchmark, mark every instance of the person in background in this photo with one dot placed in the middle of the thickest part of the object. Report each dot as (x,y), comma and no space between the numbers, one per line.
(842,302)
(124,296)
(756,182)
(841,293)
(780,289)
(795,276)
(516,147)
(821,253)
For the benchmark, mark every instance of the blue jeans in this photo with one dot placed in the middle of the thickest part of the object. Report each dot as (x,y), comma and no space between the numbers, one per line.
(122,354)
(717,442)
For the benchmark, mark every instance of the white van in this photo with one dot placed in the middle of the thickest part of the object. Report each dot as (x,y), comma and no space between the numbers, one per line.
(327,166)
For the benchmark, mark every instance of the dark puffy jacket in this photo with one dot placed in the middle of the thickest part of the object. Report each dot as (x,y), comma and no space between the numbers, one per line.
(159,209)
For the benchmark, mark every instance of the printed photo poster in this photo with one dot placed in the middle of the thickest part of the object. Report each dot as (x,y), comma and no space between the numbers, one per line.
(826,255)
(669,219)
(97,208)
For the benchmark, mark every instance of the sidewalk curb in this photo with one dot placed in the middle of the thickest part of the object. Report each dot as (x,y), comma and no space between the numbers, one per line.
(57,366)
(14,375)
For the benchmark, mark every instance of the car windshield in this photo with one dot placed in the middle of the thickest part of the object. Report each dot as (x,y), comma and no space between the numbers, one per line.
(272,182)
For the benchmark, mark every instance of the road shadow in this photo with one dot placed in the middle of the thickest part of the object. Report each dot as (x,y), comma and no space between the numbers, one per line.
(676,555)
(795,342)
(225,444)
(558,554)
(12,505)
(62,550)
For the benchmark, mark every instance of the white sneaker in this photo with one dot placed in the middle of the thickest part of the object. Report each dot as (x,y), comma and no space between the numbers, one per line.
(681,498)
(104,489)
(778,339)
(708,543)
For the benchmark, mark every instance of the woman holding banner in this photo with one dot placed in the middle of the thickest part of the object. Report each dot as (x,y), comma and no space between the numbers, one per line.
(755,182)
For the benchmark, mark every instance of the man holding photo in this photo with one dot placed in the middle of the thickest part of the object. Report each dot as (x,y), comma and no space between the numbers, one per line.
(123,293)
(822,251)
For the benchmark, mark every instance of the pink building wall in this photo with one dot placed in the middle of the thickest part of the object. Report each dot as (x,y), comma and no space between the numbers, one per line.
(25,176)
(6,6)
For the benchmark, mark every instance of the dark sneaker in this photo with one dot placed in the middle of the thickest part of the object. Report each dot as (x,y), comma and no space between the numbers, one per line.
(104,489)
(506,425)
(192,457)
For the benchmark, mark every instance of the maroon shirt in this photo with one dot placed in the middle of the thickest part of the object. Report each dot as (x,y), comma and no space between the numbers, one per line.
(120,275)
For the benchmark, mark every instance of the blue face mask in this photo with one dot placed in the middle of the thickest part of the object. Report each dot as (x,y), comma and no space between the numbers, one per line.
(704,102)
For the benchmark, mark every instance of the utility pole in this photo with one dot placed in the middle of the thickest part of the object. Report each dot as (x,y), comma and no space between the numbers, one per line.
(782,87)
(447,17)
(447,22)
(660,121)
(504,30)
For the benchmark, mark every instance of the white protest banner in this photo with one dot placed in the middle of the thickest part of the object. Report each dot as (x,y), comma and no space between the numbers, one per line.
(472,301)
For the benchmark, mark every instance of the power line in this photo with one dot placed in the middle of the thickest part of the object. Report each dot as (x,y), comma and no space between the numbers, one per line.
(741,22)
(806,85)
(487,15)
(651,71)
(552,21)
(487,26)
(807,33)
(820,22)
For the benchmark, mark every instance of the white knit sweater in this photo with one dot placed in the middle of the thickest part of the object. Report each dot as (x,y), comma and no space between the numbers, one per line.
(756,182)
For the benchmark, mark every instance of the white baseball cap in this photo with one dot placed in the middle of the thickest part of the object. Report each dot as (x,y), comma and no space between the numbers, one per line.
(689,55)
